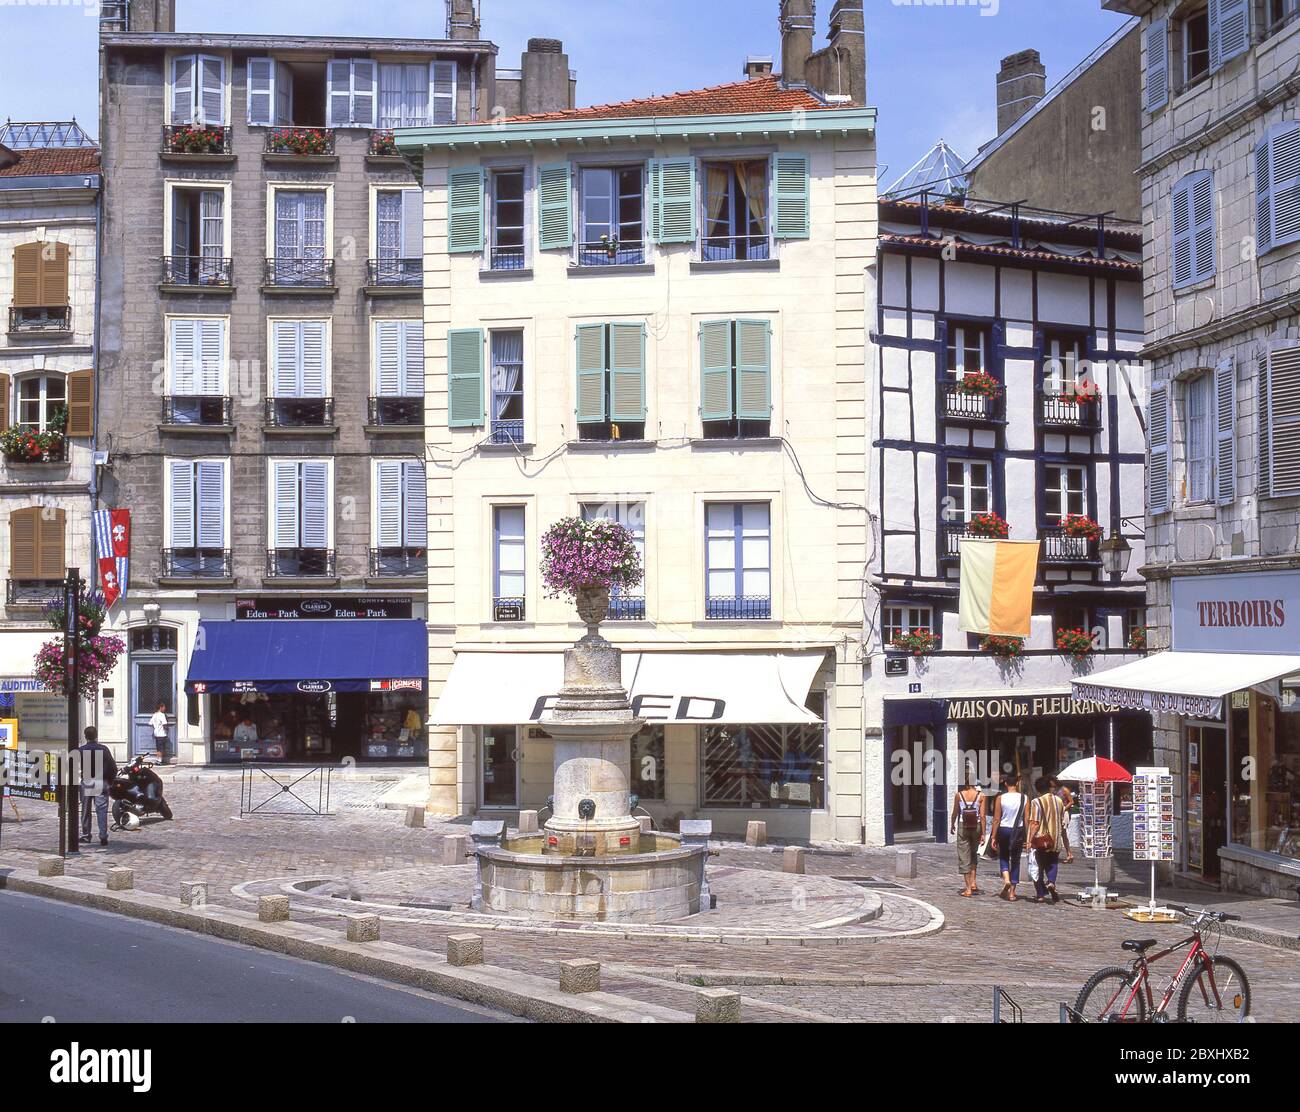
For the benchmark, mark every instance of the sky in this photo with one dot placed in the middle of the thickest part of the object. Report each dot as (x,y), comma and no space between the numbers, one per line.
(931,64)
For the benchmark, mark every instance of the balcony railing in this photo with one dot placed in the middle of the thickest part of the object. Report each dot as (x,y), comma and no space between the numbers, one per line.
(952,534)
(195,139)
(38,321)
(626,608)
(738,606)
(720,249)
(1060,411)
(399,563)
(508,609)
(397,410)
(960,405)
(197,563)
(1057,548)
(285,271)
(297,563)
(395,272)
(295,413)
(305,142)
(507,432)
(33,592)
(506,258)
(197,410)
(630,253)
(196,270)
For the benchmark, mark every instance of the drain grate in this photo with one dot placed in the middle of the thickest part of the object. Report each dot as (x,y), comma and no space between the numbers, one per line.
(870,881)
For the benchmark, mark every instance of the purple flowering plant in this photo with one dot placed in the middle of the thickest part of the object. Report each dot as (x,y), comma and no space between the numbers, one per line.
(97,653)
(579,554)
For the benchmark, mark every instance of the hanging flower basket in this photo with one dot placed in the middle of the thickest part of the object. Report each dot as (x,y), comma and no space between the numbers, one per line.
(980,384)
(1006,647)
(97,653)
(915,642)
(988,525)
(585,560)
(1082,526)
(1074,642)
(1137,638)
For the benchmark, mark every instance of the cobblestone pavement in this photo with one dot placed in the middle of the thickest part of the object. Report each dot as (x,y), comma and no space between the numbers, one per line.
(1040,953)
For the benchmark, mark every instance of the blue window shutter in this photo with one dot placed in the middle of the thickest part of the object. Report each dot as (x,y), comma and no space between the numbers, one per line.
(627,372)
(465,211)
(1193,243)
(1283,172)
(1264,195)
(1156,85)
(1284,422)
(591,364)
(465,377)
(1229,30)
(1225,428)
(1158,436)
(753,370)
(715,371)
(793,203)
(672,200)
(555,206)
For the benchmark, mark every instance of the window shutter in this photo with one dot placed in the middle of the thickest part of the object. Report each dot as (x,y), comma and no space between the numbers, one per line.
(753,370)
(1263,441)
(81,403)
(1264,195)
(284,503)
(411,383)
(591,364)
(388,503)
(51,563)
(1182,234)
(1229,30)
(286,376)
(464,377)
(315,504)
(184,357)
(283,94)
(339,93)
(1283,184)
(54,274)
(444,92)
(412,224)
(1284,422)
(415,508)
(388,358)
(364,80)
(27,275)
(626,372)
(1156,89)
(210,498)
(1194,244)
(315,372)
(183,89)
(555,206)
(1225,423)
(672,200)
(23,525)
(261,91)
(791,176)
(465,211)
(715,371)
(210,348)
(212,90)
(1158,434)
(4,401)
(181,500)
(182,226)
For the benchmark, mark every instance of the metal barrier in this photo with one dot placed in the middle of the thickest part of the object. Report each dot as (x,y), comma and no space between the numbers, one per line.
(1002,1000)
(280,789)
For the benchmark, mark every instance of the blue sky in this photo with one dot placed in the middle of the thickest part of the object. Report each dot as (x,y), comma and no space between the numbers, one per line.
(930,68)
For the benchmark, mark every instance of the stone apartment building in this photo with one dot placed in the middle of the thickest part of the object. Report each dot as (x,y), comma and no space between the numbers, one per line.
(49,212)
(262,388)
(1220,174)
(655,311)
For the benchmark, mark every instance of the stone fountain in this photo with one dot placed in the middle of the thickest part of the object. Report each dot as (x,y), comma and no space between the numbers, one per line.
(592,861)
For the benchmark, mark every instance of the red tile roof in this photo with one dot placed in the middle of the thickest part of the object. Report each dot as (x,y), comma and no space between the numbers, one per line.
(53,161)
(762,94)
(990,250)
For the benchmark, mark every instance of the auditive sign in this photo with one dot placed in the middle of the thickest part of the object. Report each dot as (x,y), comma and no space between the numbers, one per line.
(1253,612)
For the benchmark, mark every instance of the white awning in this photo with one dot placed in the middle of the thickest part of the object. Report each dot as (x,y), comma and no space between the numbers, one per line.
(1191,684)
(18,651)
(689,688)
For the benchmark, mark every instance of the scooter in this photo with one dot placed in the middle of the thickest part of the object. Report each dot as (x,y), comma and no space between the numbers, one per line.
(136,791)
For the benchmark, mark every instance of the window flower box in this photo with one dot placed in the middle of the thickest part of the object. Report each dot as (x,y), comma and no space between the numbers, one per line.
(980,384)
(383,144)
(915,642)
(1076,643)
(1137,639)
(988,525)
(196,139)
(306,141)
(23,444)
(1006,647)
(1081,526)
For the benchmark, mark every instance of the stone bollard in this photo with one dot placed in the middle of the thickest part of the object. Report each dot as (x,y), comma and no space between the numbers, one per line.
(905,864)
(194,893)
(717,1005)
(528,822)
(756,833)
(577,975)
(794,859)
(49,866)
(464,949)
(697,832)
(119,879)
(415,816)
(273,909)
(454,849)
(646,823)
(363,928)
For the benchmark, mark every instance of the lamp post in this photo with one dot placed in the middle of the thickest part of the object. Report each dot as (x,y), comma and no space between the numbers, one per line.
(70,795)
(1115,553)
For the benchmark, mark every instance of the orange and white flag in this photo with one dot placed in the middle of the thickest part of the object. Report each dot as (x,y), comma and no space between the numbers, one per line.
(997,586)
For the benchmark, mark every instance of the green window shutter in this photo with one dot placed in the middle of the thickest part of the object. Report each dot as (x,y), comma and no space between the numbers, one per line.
(555,206)
(715,371)
(672,200)
(591,374)
(753,370)
(465,377)
(627,372)
(790,174)
(465,212)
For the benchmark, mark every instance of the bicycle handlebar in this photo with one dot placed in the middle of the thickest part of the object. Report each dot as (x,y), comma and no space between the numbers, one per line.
(1206,913)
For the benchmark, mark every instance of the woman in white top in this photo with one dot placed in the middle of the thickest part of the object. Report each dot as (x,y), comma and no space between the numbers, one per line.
(1009,835)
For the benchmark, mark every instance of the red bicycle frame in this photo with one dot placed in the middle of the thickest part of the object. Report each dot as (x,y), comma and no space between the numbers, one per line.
(1142,964)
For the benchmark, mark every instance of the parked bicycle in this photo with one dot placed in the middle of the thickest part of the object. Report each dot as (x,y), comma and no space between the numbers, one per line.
(1210,988)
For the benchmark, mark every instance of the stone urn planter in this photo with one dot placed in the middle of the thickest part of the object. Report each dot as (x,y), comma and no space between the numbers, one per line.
(593,607)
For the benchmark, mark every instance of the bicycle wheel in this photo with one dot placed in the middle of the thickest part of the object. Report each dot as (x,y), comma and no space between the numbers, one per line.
(1108,997)
(1197,1002)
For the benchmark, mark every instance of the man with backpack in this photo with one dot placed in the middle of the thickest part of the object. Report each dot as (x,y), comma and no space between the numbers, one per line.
(967,828)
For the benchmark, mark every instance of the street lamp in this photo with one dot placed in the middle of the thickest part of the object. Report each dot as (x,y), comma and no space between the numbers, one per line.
(1115,554)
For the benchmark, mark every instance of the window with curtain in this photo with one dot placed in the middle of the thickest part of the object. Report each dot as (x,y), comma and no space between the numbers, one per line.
(967,345)
(735,211)
(399,238)
(1200,460)
(403,95)
(300,249)
(507,414)
(613,213)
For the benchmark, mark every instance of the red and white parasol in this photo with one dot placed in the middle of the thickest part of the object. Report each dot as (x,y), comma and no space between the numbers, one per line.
(1096,770)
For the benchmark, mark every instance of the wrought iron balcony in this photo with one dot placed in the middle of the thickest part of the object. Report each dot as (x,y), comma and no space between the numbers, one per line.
(33,592)
(1062,411)
(508,609)
(197,139)
(304,142)
(721,249)
(299,563)
(395,272)
(399,563)
(1058,548)
(957,404)
(743,607)
(626,608)
(197,410)
(293,272)
(506,258)
(404,409)
(40,321)
(297,413)
(630,253)
(951,535)
(196,270)
(197,563)
(506,432)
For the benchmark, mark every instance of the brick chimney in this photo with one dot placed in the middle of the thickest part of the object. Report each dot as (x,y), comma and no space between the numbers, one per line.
(796,41)
(848,52)
(1022,83)
(462,20)
(758,67)
(147,16)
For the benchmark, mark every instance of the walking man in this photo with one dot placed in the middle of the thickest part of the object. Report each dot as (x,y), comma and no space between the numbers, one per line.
(1046,838)
(161,737)
(96,769)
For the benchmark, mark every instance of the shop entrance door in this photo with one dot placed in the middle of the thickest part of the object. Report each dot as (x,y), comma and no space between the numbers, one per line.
(912,797)
(153,681)
(1206,806)
(499,767)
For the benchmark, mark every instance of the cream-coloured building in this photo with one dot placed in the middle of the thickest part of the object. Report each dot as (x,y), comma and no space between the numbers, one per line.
(656,312)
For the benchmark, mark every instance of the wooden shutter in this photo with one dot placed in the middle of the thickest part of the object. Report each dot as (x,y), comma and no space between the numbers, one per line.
(554,206)
(388,358)
(1193,251)
(210,348)
(23,531)
(315,504)
(412,245)
(183,348)
(388,503)
(465,211)
(180,476)
(4,401)
(212,90)
(1225,426)
(753,370)
(1181,218)
(672,200)
(339,93)
(81,403)
(1264,195)
(791,193)
(284,504)
(283,94)
(51,563)
(28,269)
(261,91)
(591,364)
(465,377)
(1283,404)
(183,81)
(364,82)
(415,505)
(286,374)
(626,372)
(444,93)
(1156,86)
(412,376)
(1158,435)
(210,503)
(1279,172)
(54,274)
(1229,30)
(315,359)
(715,371)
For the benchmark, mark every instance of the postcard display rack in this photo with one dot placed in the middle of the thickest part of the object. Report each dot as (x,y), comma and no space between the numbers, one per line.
(1153,819)
(1094,802)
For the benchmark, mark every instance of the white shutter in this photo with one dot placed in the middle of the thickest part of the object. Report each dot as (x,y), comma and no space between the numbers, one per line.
(412,224)
(1158,467)
(412,381)
(444,92)
(286,375)
(364,82)
(180,492)
(388,503)
(185,357)
(1283,417)
(415,509)
(339,93)
(261,91)
(211,347)
(212,90)
(315,504)
(210,489)
(183,89)
(283,94)
(1225,426)
(182,231)
(388,358)
(284,504)
(1156,86)
(315,372)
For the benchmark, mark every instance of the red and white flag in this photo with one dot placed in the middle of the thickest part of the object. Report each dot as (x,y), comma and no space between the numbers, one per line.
(113,552)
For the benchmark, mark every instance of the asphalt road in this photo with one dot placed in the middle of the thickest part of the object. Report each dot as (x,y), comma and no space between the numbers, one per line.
(75,965)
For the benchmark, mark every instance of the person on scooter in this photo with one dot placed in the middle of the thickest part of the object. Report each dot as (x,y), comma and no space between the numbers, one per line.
(95,771)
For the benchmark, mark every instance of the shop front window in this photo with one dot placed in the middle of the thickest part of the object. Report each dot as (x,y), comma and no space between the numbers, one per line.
(766,765)
(1265,772)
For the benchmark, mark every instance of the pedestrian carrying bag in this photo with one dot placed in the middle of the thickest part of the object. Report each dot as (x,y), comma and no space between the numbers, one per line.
(970,816)
(1043,841)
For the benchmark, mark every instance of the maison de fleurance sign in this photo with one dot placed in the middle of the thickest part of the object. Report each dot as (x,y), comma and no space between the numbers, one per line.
(1246,612)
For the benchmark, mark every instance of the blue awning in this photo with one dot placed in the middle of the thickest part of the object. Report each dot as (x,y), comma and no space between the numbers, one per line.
(279,657)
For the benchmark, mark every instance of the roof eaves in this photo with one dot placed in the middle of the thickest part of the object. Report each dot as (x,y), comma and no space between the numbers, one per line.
(281,43)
